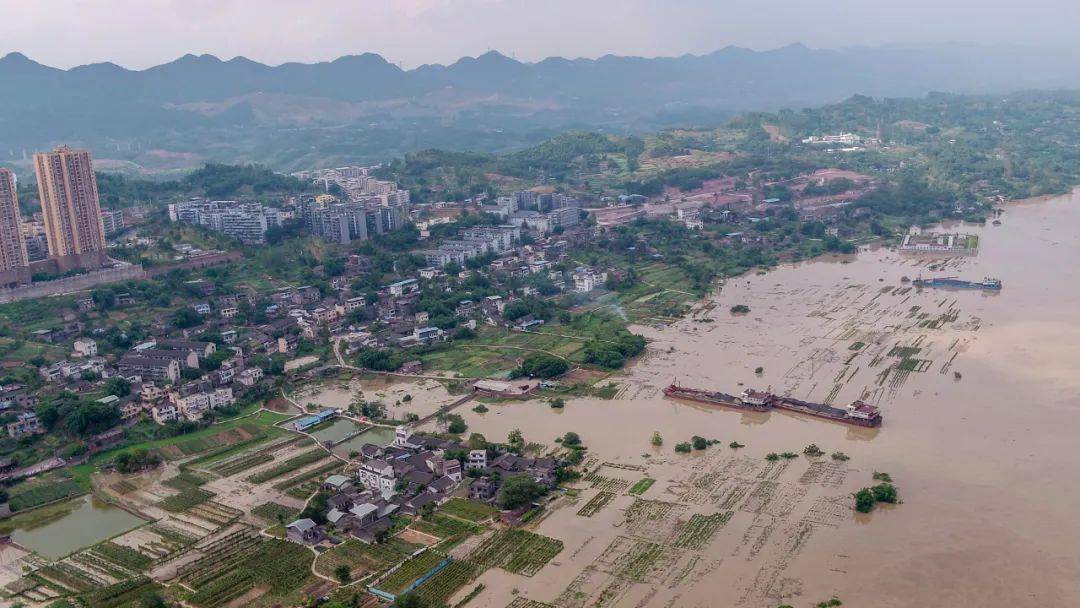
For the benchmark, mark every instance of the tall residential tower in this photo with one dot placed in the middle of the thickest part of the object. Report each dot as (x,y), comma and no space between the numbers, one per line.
(12,246)
(69,202)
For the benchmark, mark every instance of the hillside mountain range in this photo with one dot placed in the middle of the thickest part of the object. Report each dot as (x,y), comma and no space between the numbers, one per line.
(202,107)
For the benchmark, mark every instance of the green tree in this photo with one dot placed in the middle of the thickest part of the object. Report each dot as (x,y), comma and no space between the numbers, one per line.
(519,491)
(885,492)
(410,600)
(515,438)
(118,386)
(542,365)
(185,318)
(455,423)
(477,442)
(343,574)
(864,501)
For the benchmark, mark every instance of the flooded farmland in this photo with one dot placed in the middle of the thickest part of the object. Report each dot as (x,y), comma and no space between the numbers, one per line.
(979,393)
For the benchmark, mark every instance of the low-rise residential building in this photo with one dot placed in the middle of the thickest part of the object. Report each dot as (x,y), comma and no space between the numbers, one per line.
(377,475)
(194,406)
(150,368)
(85,347)
(164,412)
(304,531)
(586,279)
(25,423)
(250,376)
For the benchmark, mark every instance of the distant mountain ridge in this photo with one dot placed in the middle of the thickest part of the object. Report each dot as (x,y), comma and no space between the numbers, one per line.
(196,95)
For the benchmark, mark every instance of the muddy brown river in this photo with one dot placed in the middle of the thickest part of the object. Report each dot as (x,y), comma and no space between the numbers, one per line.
(981,399)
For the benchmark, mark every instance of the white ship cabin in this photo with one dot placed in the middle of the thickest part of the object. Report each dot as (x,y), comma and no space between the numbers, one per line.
(862,410)
(752,397)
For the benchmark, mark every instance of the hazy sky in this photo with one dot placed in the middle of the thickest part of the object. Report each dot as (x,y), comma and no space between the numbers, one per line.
(141,33)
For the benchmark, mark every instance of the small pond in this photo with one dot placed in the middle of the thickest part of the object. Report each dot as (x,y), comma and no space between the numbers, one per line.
(377,435)
(337,430)
(89,522)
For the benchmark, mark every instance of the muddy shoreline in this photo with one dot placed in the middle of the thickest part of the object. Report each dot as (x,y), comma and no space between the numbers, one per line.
(972,454)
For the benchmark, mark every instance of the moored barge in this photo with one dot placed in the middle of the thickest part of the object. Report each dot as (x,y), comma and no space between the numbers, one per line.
(987,283)
(713,398)
(857,413)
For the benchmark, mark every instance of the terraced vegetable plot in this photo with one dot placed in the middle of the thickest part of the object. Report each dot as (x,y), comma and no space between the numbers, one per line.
(468,509)
(68,576)
(279,565)
(216,512)
(272,512)
(173,535)
(30,495)
(185,500)
(411,570)
(700,529)
(125,556)
(124,593)
(304,485)
(438,589)
(359,556)
(289,466)
(653,519)
(524,602)
(238,465)
(161,544)
(241,434)
(218,557)
(186,480)
(516,551)
(640,560)
(595,504)
(444,526)
(607,484)
(92,562)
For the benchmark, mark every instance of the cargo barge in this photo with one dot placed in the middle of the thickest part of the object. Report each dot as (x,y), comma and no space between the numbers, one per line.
(712,398)
(857,413)
(986,283)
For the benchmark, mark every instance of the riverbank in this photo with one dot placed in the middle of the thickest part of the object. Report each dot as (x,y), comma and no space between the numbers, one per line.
(968,452)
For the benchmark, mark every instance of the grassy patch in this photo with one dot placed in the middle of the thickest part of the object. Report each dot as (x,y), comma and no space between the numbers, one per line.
(641,486)
(469,510)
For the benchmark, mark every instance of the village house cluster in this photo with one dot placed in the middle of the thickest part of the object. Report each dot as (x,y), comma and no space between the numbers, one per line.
(413,476)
